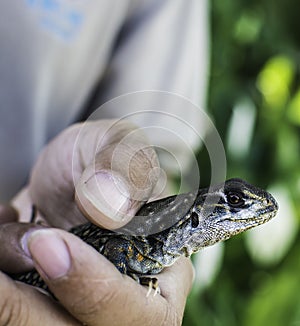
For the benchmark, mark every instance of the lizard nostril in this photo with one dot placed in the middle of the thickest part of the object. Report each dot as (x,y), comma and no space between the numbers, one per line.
(270,201)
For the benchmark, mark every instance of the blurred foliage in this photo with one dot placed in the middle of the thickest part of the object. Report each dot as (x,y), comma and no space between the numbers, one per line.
(255,60)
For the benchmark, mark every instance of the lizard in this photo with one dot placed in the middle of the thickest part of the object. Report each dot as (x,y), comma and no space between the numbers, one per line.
(167,228)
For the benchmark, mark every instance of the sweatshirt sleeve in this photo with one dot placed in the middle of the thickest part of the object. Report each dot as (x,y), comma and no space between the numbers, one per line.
(160,62)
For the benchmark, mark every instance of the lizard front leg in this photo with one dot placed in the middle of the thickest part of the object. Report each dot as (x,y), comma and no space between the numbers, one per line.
(124,255)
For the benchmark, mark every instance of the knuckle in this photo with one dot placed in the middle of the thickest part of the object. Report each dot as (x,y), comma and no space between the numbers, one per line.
(171,317)
(91,302)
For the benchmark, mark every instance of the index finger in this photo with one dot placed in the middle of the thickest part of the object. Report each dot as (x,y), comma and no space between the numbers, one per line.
(8,214)
(176,283)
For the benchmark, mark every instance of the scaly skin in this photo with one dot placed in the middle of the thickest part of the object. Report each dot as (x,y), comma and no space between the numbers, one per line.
(165,229)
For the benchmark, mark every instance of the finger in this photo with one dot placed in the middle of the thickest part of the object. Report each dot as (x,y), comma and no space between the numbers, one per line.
(23,305)
(90,287)
(8,214)
(24,205)
(176,282)
(13,255)
(112,166)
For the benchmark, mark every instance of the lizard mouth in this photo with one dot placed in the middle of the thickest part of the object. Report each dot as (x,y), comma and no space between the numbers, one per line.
(251,221)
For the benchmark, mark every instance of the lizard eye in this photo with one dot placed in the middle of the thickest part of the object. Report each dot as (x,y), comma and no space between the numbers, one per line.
(235,199)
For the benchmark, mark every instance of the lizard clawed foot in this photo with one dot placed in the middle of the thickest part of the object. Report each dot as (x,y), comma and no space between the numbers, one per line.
(152,284)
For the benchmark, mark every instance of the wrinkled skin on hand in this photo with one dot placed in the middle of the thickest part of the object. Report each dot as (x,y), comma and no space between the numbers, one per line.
(120,169)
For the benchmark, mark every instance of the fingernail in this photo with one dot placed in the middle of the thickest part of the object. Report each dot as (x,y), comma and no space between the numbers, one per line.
(24,242)
(49,252)
(108,194)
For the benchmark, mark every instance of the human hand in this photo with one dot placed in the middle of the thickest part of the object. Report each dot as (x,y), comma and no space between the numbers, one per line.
(52,188)
(102,170)
(105,167)
(90,289)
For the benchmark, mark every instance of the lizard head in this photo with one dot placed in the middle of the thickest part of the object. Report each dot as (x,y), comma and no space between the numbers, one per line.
(223,211)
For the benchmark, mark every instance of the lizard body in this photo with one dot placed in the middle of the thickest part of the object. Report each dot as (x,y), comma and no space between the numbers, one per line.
(165,229)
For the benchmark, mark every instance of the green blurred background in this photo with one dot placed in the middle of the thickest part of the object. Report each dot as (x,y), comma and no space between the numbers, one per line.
(254,100)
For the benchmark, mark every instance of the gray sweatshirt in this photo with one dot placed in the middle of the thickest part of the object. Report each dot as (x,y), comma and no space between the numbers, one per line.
(60,58)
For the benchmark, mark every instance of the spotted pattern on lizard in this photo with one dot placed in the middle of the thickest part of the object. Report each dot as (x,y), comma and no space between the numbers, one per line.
(165,229)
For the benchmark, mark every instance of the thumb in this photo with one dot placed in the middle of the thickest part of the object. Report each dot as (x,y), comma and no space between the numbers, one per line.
(89,286)
(107,164)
